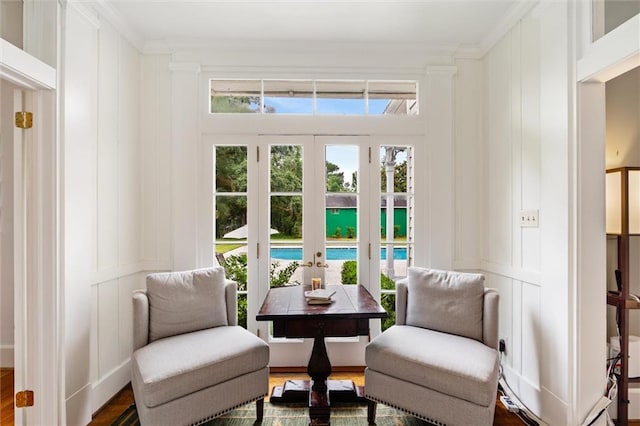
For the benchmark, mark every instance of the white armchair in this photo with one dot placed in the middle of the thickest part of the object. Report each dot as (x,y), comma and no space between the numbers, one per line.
(440,361)
(191,362)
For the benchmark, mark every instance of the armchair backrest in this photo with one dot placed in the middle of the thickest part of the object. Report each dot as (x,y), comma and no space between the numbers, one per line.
(181,302)
(490,302)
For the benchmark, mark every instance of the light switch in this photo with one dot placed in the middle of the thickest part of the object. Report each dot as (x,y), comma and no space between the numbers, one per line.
(529,218)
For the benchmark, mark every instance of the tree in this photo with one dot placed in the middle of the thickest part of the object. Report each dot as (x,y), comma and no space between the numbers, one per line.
(334,177)
(286,176)
(231,176)
(235,104)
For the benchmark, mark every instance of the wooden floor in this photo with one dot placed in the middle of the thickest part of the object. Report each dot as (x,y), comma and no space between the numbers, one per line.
(124,399)
(6,396)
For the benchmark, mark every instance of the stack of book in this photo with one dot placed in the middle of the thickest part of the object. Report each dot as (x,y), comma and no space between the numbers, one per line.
(321,296)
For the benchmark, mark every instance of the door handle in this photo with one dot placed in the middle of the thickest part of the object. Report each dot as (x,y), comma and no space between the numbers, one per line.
(308,264)
(322,265)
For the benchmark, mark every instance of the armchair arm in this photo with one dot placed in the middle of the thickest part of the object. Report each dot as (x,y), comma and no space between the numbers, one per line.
(490,318)
(401,301)
(140,319)
(231,298)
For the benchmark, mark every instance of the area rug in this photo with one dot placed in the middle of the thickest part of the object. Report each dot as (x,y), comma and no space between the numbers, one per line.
(295,415)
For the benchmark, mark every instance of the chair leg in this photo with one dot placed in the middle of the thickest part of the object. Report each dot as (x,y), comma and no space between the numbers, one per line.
(371,412)
(259,409)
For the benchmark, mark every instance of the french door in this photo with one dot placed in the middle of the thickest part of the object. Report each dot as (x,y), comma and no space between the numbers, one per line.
(292,208)
(318,222)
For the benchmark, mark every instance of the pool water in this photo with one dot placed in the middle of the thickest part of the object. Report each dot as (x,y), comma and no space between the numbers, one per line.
(333,253)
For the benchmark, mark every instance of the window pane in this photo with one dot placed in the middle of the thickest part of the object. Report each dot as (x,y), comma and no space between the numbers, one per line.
(341,216)
(242,310)
(288,97)
(285,245)
(395,258)
(286,216)
(231,217)
(399,222)
(340,97)
(388,302)
(286,257)
(235,96)
(341,168)
(342,264)
(392,97)
(394,167)
(286,168)
(231,168)
(343,97)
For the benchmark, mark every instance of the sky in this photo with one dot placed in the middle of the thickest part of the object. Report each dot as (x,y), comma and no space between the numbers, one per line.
(325,106)
(346,157)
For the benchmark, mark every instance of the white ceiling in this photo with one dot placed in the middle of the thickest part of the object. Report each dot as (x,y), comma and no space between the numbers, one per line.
(434,23)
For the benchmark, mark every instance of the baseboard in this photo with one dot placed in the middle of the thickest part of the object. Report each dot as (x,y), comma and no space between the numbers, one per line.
(539,400)
(6,356)
(78,406)
(109,385)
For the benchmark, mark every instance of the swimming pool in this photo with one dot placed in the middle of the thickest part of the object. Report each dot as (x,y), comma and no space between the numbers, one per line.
(333,253)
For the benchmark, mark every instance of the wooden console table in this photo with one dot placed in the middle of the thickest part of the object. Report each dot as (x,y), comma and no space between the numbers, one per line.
(348,315)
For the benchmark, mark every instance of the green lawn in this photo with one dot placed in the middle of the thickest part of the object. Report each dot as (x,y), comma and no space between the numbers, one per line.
(223,248)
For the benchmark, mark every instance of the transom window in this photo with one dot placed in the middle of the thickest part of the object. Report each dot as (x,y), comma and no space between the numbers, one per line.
(314,97)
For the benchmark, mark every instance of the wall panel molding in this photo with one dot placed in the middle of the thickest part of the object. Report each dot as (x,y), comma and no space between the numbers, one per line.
(527,276)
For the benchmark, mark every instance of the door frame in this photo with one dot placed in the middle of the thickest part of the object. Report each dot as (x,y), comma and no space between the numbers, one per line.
(37,290)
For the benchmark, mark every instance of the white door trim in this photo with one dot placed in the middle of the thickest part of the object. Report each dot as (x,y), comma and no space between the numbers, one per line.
(36,212)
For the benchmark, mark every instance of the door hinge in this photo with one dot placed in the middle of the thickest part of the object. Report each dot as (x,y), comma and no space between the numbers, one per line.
(369,251)
(369,155)
(24,399)
(24,120)
(258,153)
(257,250)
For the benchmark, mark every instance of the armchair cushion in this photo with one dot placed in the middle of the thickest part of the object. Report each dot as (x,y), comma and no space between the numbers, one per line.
(181,302)
(452,365)
(434,297)
(180,365)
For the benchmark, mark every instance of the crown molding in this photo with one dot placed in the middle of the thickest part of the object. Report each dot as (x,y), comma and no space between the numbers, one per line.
(513,16)
(106,11)
(85,11)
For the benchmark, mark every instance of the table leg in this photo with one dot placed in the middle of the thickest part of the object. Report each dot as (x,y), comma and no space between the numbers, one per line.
(319,369)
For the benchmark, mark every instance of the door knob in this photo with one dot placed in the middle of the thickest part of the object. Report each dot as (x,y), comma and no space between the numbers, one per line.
(308,264)
(322,265)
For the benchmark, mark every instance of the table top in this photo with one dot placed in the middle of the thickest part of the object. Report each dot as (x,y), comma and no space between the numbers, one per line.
(348,302)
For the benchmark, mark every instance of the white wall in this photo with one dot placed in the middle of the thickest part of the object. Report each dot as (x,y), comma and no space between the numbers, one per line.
(526,167)
(156,162)
(468,164)
(103,207)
